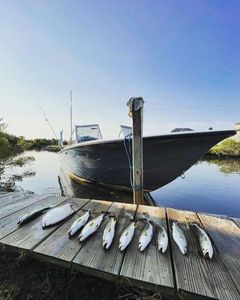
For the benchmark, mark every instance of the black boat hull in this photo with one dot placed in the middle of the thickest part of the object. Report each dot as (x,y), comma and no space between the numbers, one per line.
(165,158)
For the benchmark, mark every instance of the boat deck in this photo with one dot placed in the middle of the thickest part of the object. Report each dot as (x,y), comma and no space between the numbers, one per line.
(187,277)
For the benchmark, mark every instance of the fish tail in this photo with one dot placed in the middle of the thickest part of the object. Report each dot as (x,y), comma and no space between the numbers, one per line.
(121,247)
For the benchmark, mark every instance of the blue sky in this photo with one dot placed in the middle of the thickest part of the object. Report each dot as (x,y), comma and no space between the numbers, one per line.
(182,56)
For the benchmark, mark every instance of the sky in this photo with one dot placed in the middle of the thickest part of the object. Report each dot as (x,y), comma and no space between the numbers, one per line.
(181,56)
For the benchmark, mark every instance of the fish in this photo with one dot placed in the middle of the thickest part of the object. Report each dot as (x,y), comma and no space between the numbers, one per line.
(108,233)
(146,236)
(162,239)
(79,223)
(204,241)
(127,236)
(31,215)
(57,214)
(91,227)
(179,238)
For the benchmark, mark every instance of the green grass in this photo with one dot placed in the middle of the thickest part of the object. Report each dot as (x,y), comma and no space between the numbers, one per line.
(228,147)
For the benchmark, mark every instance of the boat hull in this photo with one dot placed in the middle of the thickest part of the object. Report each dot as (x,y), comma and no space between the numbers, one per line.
(165,158)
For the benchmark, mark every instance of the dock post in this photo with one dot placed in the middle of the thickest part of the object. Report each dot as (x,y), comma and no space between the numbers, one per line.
(135,105)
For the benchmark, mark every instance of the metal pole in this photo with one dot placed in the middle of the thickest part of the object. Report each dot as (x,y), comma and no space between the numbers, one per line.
(136,112)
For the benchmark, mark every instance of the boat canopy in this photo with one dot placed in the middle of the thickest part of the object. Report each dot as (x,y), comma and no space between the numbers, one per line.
(86,133)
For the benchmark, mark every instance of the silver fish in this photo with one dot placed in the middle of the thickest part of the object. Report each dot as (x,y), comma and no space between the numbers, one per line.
(162,239)
(146,236)
(108,233)
(79,223)
(57,214)
(204,242)
(91,227)
(127,236)
(31,215)
(179,238)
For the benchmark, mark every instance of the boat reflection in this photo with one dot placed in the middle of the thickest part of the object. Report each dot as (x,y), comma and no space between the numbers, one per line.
(69,187)
(91,191)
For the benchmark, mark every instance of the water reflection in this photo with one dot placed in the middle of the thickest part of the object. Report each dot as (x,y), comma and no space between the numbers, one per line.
(212,185)
(91,191)
(226,165)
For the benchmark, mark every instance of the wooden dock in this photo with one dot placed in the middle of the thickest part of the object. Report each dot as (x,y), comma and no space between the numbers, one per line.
(185,277)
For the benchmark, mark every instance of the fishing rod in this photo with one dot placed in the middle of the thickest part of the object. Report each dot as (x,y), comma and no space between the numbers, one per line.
(71,128)
(46,119)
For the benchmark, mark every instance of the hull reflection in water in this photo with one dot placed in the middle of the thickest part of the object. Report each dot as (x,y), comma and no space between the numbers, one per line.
(86,190)
(165,158)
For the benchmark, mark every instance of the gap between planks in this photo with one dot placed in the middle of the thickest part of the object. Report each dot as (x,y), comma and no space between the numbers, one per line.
(149,269)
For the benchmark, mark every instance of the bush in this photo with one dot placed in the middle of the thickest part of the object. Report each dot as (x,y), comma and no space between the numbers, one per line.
(5,147)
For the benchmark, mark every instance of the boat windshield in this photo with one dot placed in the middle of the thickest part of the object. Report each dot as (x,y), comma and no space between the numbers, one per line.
(86,133)
(125,130)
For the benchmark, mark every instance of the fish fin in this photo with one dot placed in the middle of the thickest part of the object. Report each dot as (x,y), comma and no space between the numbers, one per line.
(105,245)
(121,247)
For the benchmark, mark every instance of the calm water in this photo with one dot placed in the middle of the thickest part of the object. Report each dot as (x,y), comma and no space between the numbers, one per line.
(209,186)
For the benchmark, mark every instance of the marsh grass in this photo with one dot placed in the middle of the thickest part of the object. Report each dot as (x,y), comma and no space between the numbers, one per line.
(228,147)
(25,278)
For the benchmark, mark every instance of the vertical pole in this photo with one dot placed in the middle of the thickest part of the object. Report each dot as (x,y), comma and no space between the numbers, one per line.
(70,118)
(136,111)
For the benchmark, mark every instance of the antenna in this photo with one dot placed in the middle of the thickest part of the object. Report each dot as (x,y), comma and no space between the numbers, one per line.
(71,131)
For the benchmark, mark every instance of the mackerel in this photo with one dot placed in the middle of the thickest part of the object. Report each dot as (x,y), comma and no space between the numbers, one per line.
(127,234)
(162,239)
(79,223)
(179,238)
(91,227)
(204,241)
(108,233)
(146,236)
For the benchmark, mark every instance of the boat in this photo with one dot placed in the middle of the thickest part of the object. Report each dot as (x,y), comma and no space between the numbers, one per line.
(96,161)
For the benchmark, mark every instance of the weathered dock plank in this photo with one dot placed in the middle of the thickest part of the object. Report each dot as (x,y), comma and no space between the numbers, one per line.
(4,194)
(9,223)
(226,236)
(149,268)
(13,198)
(58,247)
(190,277)
(93,258)
(195,275)
(31,234)
(21,203)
